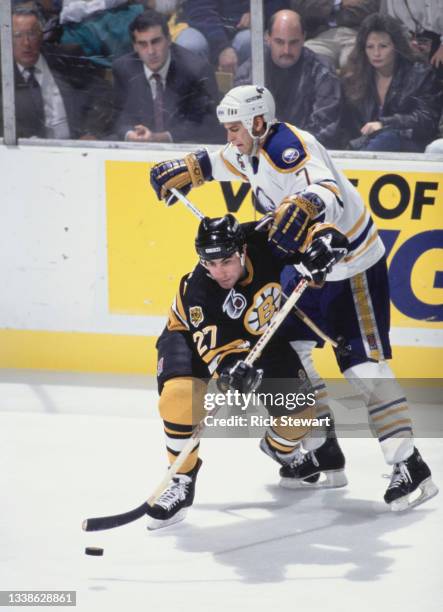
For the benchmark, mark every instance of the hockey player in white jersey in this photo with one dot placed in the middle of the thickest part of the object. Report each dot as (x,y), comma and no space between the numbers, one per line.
(293,177)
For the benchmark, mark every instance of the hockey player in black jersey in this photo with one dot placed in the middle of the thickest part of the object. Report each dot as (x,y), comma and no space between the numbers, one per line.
(221,309)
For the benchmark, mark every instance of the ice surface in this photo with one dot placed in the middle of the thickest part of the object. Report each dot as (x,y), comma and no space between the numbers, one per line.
(72,447)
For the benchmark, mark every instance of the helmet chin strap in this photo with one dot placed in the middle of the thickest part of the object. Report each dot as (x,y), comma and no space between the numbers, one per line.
(257,140)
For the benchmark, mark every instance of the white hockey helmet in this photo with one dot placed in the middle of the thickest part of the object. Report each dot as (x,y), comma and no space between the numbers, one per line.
(245,102)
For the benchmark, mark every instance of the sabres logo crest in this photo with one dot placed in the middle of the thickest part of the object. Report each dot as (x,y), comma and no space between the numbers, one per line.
(290,155)
(196,315)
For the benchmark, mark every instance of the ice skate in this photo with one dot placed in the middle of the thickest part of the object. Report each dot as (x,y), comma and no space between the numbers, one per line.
(325,464)
(282,458)
(409,477)
(172,505)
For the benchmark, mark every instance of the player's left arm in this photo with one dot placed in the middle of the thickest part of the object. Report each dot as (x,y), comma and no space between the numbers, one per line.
(298,212)
(312,196)
(303,229)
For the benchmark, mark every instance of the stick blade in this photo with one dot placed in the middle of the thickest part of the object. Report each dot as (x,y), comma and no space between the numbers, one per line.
(102,523)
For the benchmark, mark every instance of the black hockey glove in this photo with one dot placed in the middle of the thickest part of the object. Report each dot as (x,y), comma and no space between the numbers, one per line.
(240,377)
(183,174)
(328,247)
(342,348)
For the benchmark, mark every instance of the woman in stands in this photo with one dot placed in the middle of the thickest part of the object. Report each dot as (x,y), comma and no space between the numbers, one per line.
(393,100)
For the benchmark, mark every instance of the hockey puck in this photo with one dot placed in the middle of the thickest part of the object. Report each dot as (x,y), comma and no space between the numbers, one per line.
(94,550)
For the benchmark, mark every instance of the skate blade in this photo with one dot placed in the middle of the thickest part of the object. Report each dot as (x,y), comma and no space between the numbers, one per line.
(332,479)
(155,524)
(428,490)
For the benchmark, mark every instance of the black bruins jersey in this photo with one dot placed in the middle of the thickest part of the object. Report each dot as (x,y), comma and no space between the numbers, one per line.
(228,322)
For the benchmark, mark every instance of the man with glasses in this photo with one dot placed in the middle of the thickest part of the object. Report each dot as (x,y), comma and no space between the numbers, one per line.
(56,95)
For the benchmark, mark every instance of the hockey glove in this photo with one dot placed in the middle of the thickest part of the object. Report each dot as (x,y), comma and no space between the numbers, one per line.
(292,220)
(241,377)
(183,174)
(343,348)
(326,248)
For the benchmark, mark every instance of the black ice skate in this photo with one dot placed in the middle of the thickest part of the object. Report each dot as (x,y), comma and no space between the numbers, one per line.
(172,505)
(326,463)
(282,458)
(407,477)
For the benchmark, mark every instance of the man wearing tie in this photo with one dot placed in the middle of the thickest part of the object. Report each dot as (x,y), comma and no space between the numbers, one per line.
(55,93)
(163,92)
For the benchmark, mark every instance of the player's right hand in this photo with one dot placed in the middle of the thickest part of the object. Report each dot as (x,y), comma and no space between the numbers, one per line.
(168,174)
(182,174)
(240,377)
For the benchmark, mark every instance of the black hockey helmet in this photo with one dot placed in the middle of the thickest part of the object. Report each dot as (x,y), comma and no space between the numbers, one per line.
(219,237)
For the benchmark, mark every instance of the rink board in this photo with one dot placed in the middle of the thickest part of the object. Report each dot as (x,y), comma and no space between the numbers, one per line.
(91,260)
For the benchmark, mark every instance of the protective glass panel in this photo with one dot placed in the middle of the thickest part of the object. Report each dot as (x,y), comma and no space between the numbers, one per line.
(1,97)
(353,96)
(139,71)
(61,92)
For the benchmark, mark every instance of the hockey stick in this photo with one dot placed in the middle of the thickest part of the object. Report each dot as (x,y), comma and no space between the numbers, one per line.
(184,200)
(338,344)
(117,520)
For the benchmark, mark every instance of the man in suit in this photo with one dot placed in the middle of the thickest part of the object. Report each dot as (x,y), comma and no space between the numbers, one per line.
(163,92)
(57,95)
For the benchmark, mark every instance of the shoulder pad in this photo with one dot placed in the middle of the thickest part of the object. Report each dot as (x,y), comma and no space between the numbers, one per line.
(284,148)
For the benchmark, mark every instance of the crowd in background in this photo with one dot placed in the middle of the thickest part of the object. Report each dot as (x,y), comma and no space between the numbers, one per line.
(358,74)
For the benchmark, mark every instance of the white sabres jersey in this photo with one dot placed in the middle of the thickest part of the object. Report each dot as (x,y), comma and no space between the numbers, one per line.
(292,161)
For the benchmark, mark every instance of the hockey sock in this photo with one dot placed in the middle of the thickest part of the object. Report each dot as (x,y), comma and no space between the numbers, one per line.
(304,350)
(181,408)
(388,411)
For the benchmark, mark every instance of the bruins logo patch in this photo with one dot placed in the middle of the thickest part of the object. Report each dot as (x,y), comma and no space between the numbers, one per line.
(196,315)
(265,304)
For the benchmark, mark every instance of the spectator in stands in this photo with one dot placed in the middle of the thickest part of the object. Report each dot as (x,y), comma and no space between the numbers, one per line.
(332,25)
(48,13)
(104,34)
(225,25)
(394,102)
(181,33)
(57,95)
(424,22)
(307,94)
(163,92)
